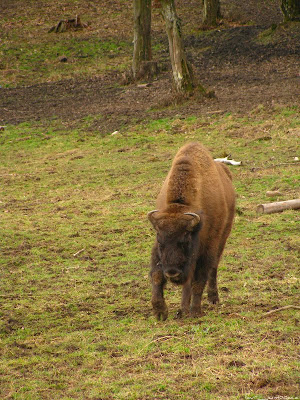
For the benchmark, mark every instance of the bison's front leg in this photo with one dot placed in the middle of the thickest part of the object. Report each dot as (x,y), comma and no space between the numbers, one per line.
(185,300)
(213,296)
(158,280)
(160,308)
(199,285)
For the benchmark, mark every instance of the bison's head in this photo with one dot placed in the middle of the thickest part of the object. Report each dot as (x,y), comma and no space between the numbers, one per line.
(177,242)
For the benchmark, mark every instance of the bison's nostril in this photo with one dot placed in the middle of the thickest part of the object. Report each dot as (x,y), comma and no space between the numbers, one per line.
(172,273)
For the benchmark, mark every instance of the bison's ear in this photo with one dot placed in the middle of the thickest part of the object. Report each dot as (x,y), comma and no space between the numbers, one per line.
(151,217)
(195,222)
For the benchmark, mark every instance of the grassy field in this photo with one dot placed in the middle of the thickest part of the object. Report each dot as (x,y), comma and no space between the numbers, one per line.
(29,53)
(75,242)
(76,318)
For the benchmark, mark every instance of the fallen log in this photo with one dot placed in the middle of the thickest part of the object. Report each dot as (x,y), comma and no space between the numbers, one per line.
(278,206)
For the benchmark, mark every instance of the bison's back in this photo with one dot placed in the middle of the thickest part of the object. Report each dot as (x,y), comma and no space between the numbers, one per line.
(196,181)
(194,178)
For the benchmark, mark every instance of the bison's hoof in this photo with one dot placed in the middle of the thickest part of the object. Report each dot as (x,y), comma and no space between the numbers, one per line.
(161,314)
(160,310)
(213,297)
(196,312)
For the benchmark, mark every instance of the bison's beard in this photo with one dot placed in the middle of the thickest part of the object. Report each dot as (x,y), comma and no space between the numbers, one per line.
(186,273)
(179,280)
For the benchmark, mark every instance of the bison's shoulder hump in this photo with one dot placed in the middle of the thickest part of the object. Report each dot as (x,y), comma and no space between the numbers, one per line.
(196,155)
(182,163)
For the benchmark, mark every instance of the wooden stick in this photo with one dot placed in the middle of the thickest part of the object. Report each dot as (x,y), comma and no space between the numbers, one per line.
(78,252)
(278,206)
(157,340)
(281,308)
(162,338)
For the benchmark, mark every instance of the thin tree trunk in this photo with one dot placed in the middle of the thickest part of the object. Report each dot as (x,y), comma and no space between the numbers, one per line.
(182,72)
(291,10)
(211,12)
(142,34)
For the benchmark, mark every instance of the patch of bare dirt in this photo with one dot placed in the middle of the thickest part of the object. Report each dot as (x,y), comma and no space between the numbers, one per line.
(242,64)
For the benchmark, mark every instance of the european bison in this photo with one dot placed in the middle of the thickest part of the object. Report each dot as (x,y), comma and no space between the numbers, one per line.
(195,210)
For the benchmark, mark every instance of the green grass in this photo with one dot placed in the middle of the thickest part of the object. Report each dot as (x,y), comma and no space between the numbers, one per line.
(41,62)
(30,54)
(76,319)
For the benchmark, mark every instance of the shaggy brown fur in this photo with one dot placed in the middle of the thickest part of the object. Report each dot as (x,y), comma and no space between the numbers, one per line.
(195,210)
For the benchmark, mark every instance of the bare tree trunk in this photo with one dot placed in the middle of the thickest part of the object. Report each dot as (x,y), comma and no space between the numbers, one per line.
(142,34)
(291,10)
(211,12)
(182,72)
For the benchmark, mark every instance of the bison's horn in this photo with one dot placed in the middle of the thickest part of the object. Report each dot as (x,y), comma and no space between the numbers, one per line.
(151,219)
(193,215)
(194,222)
(151,212)
(150,216)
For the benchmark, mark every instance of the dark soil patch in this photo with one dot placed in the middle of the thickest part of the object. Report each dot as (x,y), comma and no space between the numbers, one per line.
(243,71)
(242,45)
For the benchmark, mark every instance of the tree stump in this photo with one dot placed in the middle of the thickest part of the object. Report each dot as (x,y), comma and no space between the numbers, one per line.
(68,24)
